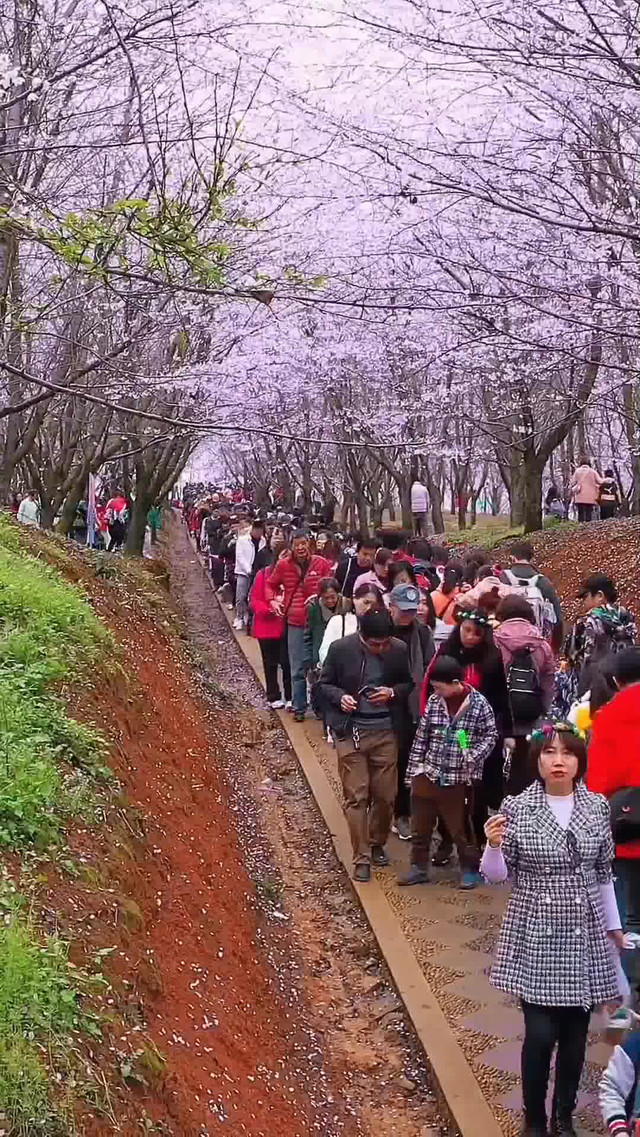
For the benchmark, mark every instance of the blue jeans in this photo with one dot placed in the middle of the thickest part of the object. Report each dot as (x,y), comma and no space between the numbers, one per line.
(295,644)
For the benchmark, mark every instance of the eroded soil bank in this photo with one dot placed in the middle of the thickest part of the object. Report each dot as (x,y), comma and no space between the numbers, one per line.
(242,989)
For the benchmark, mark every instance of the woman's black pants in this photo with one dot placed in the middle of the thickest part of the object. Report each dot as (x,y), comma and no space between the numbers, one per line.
(274,656)
(544,1027)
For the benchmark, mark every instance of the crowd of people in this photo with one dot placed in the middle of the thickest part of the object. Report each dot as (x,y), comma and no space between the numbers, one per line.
(106,531)
(460,703)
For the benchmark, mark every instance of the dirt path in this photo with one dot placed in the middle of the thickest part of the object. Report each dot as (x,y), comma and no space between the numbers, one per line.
(360,1049)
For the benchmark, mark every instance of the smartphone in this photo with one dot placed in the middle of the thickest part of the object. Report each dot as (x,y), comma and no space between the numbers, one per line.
(367,692)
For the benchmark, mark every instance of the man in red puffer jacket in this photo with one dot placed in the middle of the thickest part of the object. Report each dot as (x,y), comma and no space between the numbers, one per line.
(614,764)
(299,573)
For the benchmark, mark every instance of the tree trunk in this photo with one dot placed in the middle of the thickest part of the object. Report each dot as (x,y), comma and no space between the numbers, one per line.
(68,512)
(405,501)
(633,442)
(435,497)
(517,494)
(532,496)
(46,514)
(138,524)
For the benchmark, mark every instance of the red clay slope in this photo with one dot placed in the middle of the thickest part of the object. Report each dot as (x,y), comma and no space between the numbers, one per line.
(192,972)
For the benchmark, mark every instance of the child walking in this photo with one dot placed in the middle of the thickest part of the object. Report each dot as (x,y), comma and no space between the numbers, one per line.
(457,733)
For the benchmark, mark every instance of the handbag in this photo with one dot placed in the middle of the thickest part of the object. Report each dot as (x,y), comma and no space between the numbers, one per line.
(625,815)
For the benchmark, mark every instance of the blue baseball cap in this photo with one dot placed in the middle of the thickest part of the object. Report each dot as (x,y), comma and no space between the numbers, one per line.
(406,597)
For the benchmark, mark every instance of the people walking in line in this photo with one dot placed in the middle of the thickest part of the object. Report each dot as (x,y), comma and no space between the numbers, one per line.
(537,590)
(418,639)
(365,683)
(530,672)
(29,511)
(456,734)
(471,645)
(248,545)
(609,498)
(353,565)
(553,953)
(420,508)
(269,629)
(299,572)
(365,598)
(585,489)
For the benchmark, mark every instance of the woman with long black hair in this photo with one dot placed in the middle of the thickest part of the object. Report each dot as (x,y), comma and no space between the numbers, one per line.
(471,644)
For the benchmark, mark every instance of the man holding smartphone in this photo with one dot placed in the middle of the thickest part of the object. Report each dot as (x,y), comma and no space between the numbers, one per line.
(365,684)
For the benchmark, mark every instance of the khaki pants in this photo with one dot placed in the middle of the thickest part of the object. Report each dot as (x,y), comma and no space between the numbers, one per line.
(369,784)
(427,801)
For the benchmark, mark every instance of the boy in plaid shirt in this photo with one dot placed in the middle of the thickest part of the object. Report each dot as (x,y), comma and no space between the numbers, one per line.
(457,732)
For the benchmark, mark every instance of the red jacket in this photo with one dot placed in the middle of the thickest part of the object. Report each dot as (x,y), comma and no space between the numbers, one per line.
(266,625)
(614,752)
(296,590)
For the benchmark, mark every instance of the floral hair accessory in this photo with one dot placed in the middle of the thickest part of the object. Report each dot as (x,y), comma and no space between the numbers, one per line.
(546,731)
(474,615)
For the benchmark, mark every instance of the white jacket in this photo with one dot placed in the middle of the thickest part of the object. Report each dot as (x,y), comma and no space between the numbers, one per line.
(29,512)
(245,554)
(334,631)
(419,498)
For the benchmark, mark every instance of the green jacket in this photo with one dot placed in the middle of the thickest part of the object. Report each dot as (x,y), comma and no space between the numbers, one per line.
(318,617)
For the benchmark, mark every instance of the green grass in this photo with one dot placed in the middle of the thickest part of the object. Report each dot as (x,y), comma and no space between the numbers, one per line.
(39,1008)
(48,632)
(49,768)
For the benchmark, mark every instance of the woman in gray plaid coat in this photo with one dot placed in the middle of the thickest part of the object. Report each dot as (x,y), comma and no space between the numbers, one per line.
(553,951)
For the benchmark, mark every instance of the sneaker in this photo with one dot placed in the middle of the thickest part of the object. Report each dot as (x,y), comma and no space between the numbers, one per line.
(469,880)
(379,856)
(299,716)
(238,624)
(416,875)
(288,705)
(230,607)
(362,873)
(442,857)
(277,704)
(403,828)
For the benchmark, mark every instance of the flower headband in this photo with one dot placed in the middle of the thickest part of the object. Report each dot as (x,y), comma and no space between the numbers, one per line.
(474,615)
(548,729)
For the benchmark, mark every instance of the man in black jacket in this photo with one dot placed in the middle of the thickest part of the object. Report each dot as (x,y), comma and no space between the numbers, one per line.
(365,684)
(351,567)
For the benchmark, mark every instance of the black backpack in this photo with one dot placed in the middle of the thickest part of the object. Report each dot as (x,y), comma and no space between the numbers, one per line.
(625,815)
(523,685)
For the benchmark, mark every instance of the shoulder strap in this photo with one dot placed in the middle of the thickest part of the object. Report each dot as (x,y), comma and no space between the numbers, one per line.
(301,581)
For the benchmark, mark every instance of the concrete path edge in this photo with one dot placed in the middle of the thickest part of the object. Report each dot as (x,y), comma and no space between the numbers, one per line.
(460,1094)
